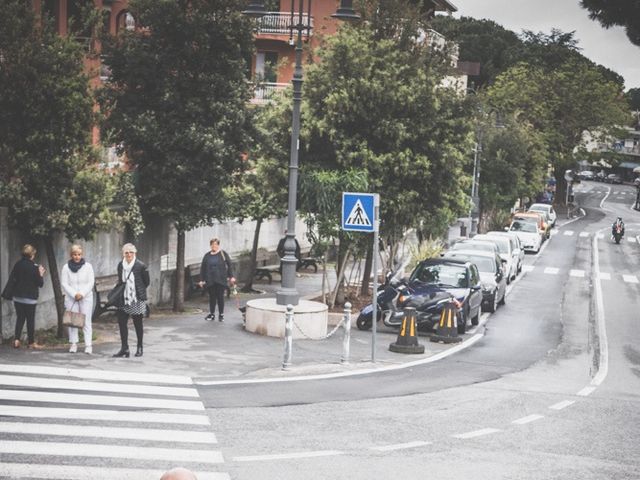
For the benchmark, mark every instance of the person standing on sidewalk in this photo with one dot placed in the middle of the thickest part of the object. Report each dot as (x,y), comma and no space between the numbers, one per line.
(216,273)
(27,277)
(134,274)
(77,279)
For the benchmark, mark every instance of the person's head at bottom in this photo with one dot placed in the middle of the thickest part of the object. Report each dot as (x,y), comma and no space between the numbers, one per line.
(179,474)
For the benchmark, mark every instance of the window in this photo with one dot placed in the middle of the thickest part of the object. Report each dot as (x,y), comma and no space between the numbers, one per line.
(51,13)
(125,21)
(267,67)
(76,17)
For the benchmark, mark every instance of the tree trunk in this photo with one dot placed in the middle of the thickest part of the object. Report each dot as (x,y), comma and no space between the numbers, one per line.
(178,291)
(248,287)
(339,283)
(368,265)
(55,282)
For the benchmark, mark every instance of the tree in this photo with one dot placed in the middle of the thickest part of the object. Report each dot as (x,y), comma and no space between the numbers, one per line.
(625,13)
(47,173)
(176,103)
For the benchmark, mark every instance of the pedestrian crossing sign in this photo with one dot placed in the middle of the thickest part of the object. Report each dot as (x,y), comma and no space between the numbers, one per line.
(358,211)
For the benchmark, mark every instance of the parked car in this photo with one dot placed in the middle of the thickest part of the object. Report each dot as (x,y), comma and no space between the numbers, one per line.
(613,178)
(492,275)
(538,219)
(528,233)
(506,254)
(586,175)
(600,177)
(543,207)
(516,246)
(459,278)
(473,244)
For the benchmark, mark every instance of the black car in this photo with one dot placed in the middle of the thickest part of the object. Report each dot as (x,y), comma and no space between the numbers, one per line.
(613,178)
(458,278)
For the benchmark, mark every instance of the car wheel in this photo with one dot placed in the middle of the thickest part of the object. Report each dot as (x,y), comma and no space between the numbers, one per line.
(363,323)
(462,322)
(493,305)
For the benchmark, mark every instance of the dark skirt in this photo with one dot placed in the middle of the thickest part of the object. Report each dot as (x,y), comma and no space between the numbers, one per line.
(138,307)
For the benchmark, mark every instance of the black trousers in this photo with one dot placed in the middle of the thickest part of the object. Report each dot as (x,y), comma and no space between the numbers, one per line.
(123,320)
(216,297)
(26,312)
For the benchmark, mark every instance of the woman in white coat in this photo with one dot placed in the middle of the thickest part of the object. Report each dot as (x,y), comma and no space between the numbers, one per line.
(77,280)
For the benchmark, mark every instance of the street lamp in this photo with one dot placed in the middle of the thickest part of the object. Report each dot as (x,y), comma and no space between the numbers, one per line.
(288,293)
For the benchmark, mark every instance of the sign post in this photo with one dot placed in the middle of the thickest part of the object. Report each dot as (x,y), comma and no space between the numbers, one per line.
(360,214)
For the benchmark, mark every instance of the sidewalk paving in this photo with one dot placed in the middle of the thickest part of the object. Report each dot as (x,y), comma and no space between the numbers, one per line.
(212,352)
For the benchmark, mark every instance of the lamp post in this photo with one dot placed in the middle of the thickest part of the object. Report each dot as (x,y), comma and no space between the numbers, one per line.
(288,293)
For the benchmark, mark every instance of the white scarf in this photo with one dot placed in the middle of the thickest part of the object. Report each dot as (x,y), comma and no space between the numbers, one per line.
(130,290)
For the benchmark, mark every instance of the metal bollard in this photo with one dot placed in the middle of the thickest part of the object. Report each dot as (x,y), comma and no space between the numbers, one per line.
(288,337)
(346,340)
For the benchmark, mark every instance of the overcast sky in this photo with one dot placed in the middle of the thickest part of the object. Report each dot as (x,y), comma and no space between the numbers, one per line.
(609,47)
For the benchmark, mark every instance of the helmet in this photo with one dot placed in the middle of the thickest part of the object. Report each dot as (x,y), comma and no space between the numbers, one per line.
(620,218)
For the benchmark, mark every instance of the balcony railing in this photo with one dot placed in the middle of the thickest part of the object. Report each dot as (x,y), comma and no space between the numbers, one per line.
(267,91)
(278,23)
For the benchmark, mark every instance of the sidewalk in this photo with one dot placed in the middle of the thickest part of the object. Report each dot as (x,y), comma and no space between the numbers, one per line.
(212,352)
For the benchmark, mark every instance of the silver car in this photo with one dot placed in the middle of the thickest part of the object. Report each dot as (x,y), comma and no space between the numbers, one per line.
(506,253)
(517,249)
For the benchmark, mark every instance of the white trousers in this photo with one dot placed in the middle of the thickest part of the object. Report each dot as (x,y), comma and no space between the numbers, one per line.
(86,307)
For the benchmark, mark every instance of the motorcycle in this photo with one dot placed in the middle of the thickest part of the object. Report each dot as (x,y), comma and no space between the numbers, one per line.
(618,233)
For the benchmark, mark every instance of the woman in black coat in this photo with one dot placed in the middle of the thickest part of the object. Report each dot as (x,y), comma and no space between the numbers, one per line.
(216,273)
(135,275)
(25,280)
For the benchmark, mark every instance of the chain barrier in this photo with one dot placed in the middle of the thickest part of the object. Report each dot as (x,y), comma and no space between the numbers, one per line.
(324,337)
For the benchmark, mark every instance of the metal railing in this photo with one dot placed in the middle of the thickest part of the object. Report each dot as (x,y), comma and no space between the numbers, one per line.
(266,91)
(280,23)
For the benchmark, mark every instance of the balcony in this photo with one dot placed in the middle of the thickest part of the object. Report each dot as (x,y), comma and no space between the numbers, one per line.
(266,91)
(277,23)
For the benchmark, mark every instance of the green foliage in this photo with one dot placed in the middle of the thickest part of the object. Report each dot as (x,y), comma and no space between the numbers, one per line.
(127,204)
(429,248)
(177,104)
(633,97)
(625,13)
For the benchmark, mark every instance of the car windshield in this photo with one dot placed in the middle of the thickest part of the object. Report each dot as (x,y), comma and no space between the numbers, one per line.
(539,208)
(484,264)
(483,246)
(442,274)
(522,226)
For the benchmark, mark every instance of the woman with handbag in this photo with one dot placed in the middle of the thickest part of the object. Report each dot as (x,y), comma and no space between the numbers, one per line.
(77,279)
(26,278)
(216,274)
(133,274)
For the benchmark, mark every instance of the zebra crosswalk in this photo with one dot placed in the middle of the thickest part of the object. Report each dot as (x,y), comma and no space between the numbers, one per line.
(600,235)
(75,424)
(579,273)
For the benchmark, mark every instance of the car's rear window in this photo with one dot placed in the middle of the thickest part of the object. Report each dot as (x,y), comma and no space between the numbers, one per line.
(521,226)
(445,274)
(484,264)
(483,246)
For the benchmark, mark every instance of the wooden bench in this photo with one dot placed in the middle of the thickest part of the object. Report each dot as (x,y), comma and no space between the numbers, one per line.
(264,270)
(101,288)
(192,277)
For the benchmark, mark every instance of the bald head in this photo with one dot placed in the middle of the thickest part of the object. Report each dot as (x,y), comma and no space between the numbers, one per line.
(179,474)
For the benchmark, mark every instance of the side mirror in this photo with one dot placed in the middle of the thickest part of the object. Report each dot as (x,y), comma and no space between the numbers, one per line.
(476,288)
(506,229)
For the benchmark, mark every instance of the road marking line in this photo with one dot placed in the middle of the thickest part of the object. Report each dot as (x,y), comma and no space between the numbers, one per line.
(631,239)
(74,472)
(103,415)
(54,383)
(528,268)
(287,456)
(576,273)
(551,270)
(39,396)
(528,419)
(93,450)
(603,276)
(561,405)
(554,232)
(477,433)
(568,233)
(153,434)
(97,374)
(400,446)
(584,234)
(586,391)
(600,236)
(630,278)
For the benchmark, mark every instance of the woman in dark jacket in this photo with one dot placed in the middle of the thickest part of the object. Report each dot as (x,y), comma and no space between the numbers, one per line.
(135,275)
(26,278)
(216,273)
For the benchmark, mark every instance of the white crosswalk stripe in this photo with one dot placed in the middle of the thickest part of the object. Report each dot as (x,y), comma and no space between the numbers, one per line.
(568,233)
(80,436)
(632,239)
(528,268)
(630,278)
(551,270)
(584,234)
(600,236)
(604,276)
(576,273)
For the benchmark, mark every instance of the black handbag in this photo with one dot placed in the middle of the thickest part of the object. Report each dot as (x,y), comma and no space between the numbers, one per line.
(7,292)
(115,297)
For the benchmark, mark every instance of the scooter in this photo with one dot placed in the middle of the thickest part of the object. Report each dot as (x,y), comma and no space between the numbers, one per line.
(618,233)
(389,295)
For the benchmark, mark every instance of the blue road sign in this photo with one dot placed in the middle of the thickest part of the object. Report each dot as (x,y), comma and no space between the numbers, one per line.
(358,211)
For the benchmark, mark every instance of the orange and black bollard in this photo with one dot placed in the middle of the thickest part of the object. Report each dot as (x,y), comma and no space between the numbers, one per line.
(448,325)
(407,341)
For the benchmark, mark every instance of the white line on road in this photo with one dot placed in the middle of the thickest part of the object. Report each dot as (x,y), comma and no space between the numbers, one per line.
(400,446)
(584,234)
(631,239)
(586,391)
(528,419)
(528,268)
(603,276)
(603,342)
(102,415)
(54,383)
(568,233)
(576,273)
(561,405)
(600,236)
(477,433)
(551,270)
(630,278)
(93,450)
(73,472)
(39,396)
(153,434)
(287,456)
(97,374)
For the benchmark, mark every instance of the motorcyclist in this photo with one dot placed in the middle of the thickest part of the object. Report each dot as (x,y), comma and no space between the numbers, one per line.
(616,224)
